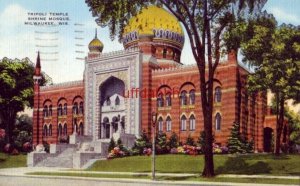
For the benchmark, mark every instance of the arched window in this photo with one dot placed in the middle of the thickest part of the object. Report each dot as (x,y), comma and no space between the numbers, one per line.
(75,108)
(81,107)
(218,94)
(81,129)
(183,123)
(183,98)
(75,128)
(165,53)
(59,110)
(174,55)
(50,110)
(50,130)
(45,111)
(160,101)
(108,102)
(218,121)
(169,124)
(59,130)
(192,97)
(168,100)
(160,124)
(65,130)
(45,130)
(192,122)
(65,109)
(117,101)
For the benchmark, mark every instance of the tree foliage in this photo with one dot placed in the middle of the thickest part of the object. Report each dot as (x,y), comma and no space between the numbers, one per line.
(16,85)
(278,69)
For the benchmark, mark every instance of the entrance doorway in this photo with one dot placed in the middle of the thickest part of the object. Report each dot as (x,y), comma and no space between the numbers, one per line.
(268,139)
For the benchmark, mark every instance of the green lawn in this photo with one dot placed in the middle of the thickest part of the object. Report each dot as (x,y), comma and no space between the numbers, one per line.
(224,164)
(184,178)
(9,161)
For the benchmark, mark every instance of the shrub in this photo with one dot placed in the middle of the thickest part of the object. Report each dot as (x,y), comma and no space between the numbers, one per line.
(201,139)
(21,138)
(15,152)
(190,141)
(112,144)
(115,152)
(27,147)
(8,148)
(161,143)
(63,139)
(141,143)
(46,146)
(2,133)
(173,141)
(173,151)
(147,151)
(235,142)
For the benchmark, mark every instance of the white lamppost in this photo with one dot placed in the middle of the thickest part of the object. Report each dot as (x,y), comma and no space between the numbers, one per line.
(154,118)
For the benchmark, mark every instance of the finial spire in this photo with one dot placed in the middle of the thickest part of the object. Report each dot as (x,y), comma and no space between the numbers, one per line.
(95,33)
(38,61)
(38,65)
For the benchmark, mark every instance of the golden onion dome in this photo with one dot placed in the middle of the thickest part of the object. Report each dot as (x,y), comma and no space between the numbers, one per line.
(154,21)
(96,45)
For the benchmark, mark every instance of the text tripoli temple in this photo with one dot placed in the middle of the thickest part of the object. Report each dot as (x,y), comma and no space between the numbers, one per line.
(79,118)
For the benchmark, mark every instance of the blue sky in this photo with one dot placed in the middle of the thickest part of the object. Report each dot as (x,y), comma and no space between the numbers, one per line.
(19,40)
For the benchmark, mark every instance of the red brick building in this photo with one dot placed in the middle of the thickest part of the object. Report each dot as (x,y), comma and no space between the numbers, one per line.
(153,42)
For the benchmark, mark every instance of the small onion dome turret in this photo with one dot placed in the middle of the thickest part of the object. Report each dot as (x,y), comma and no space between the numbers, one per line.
(154,22)
(96,45)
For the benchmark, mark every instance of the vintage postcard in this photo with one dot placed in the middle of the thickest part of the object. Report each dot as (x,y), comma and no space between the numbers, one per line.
(168,92)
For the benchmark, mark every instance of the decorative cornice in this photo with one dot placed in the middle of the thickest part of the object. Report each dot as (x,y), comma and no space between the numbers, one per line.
(174,69)
(63,85)
(114,54)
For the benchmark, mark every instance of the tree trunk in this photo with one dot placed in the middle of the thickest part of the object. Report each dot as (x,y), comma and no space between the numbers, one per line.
(279,126)
(208,170)
(9,122)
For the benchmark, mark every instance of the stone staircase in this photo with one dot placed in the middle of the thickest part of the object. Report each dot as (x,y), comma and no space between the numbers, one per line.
(63,159)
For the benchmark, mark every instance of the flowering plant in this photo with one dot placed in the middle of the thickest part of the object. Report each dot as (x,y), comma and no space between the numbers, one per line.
(187,149)
(27,147)
(116,152)
(2,133)
(147,151)
(173,151)
(220,149)
(8,148)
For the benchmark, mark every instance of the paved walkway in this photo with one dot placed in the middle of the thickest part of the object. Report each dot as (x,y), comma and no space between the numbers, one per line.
(23,172)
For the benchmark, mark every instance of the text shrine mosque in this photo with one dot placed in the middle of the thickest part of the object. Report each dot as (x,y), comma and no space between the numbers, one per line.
(121,89)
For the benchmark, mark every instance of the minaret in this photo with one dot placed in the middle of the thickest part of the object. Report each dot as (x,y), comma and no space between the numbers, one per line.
(36,102)
(95,47)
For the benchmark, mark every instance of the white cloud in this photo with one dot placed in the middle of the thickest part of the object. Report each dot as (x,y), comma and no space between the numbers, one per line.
(284,16)
(12,15)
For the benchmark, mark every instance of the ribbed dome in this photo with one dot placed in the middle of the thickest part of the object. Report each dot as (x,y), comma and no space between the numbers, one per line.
(154,21)
(96,45)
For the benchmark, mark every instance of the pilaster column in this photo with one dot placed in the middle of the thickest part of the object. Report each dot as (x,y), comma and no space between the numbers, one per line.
(111,130)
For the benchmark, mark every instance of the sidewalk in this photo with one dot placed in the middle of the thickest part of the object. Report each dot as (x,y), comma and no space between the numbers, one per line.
(23,172)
